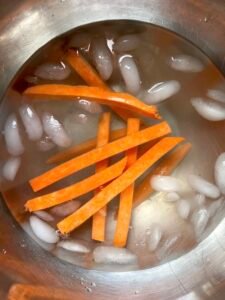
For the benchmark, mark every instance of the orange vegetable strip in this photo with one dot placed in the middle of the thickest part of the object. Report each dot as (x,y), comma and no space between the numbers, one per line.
(99,219)
(89,145)
(77,189)
(126,196)
(83,147)
(90,76)
(165,167)
(80,162)
(141,151)
(22,291)
(97,94)
(118,185)
(84,69)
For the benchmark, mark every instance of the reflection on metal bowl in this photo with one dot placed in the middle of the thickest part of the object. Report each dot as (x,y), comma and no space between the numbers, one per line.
(199,274)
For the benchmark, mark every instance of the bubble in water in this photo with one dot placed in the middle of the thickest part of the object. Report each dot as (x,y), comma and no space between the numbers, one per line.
(23,245)
(61,235)
(88,289)
(82,281)
(136,292)
(4,251)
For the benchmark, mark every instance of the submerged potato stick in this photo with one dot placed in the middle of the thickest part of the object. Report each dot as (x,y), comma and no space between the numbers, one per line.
(118,185)
(98,154)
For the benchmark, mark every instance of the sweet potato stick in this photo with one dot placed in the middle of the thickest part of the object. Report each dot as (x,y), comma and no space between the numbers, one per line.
(126,196)
(165,167)
(84,69)
(118,185)
(98,224)
(91,144)
(90,76)
(89,158)
(100,95)
(77,189)
(83,147)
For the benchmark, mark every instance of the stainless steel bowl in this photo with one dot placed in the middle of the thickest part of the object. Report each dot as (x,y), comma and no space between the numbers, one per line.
(26,26)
